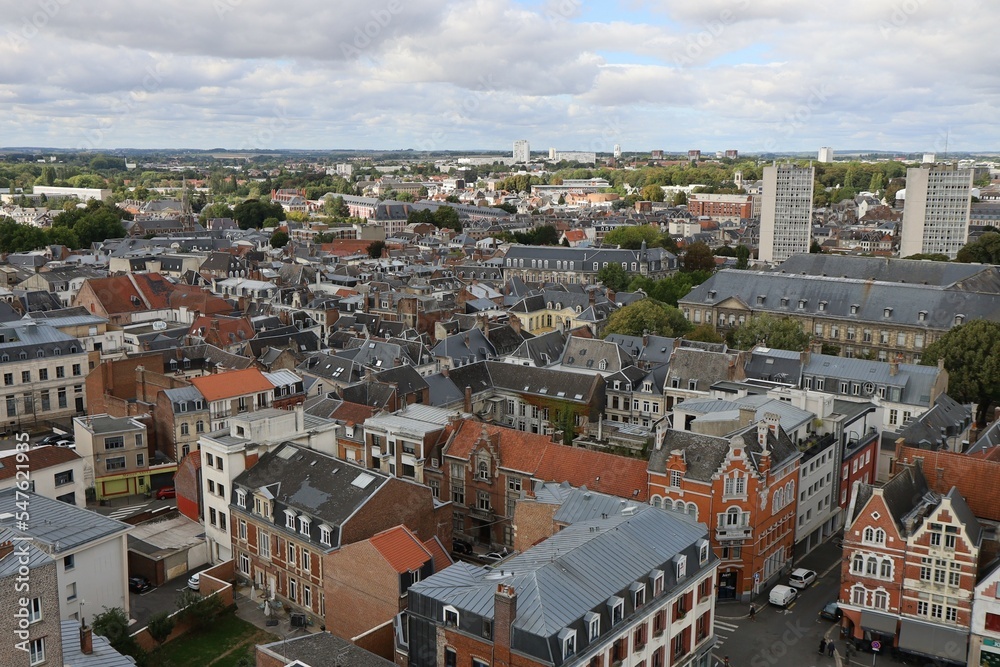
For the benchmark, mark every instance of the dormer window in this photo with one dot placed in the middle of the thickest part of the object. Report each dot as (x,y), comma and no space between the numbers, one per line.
(638,591)
(241,498)
(760,299)
(822,305)
(680,566)
(959,319)
(567,638)
(922,316)
(703,551)
(657,577)
(616,607)
(887,312)
(593,621)
(325,535)
(450,616)
(304,525)
(802,304)
(784,301)
(290,519)
(854,309)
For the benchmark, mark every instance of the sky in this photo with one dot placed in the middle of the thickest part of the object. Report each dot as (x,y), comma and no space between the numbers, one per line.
(751,75)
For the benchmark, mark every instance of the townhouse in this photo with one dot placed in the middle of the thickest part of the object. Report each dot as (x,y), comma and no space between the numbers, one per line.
(579,266)
(232,393)
(652,605)
(37,641)
(54,472)
(118,457)
(744,487)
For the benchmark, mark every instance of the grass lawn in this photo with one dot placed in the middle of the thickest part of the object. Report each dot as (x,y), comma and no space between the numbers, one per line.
(222,645)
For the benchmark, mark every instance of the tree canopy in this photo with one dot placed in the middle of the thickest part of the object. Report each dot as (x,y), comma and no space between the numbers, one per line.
(252,213)
(985,250)
(671,289)
(698,257)
(279,239)
(631,237)
(375,249)
(783,333)
(647,316)
(614,277)
(971,354)
(97,221)
(217,210)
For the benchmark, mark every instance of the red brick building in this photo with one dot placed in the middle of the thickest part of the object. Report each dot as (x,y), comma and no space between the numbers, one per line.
(744,488)
(720,207)
(484,469)
(859,464)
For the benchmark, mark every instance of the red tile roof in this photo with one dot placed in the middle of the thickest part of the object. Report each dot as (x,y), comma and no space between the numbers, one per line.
(401,549)
(231,384)
(977,478)
(538,456)
(38,458)
(353,413)
(240,328)
(117,294)
(441,557)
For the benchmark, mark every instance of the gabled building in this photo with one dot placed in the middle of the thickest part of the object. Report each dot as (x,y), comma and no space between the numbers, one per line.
(744,486)
(652,605)
(232,393)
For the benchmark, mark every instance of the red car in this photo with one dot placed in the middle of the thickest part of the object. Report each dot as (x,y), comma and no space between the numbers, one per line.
(166,492)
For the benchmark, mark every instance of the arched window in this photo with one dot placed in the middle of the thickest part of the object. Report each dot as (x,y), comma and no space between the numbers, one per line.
(483,468)
(859,596)
(880,600)
(200,426)
(885,569)
(779,497)
(655,501)
(692,511)
(603,365)
(790,490)
(871,566)
(880,536)
(858,564)
(869,534)
(184,428)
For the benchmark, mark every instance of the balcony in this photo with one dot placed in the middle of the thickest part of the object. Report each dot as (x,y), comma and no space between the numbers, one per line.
(480,513)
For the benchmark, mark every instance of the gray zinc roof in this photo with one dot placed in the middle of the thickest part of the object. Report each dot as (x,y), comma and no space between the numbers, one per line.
(58,525)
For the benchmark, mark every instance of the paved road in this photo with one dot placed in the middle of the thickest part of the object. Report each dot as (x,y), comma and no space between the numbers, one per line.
(162,598)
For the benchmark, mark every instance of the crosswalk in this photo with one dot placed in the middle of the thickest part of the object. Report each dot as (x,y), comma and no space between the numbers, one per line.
(123,512)
(723,630)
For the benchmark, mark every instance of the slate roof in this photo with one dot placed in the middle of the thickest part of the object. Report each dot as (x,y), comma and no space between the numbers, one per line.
(103,655)
(891,270)
(570,574)
(11,564)
(542,350)
(322,649)
(587,353)
(484,376)
(705,454)
(916,382)
(931,429)
(60,526)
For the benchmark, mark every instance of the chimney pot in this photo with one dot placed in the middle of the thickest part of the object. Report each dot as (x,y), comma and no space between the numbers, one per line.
(86,640)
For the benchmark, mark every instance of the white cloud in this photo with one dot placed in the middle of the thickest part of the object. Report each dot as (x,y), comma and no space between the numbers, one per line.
(479,73)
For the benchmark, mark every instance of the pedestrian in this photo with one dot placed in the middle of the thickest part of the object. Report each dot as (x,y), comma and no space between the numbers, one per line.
(753,613)
(726,663)
(822,645)
(831,648)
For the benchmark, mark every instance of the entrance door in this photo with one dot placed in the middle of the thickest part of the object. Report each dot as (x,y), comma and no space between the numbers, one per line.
(728,585)
(79,403)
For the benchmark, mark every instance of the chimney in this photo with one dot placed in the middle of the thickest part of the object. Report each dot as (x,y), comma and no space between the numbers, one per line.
(894,367)
(504,614)
(86,640)
(816,346)
(215,324)
(645,337)
(747,415)
(557,436)
(940,363)
(762,434)
(468,399)
(7,547)
(515,323)
(592,295)
(804,356)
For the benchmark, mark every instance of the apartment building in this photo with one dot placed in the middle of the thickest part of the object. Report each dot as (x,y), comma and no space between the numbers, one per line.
(233,393)
(937,210)
(118,459)
(37,640)
(786,212)
(579,266)
(544,607)
(55,472)
(723,208)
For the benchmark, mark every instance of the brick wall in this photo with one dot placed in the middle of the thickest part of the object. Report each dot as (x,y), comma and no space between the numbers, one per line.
(362,590)
(533,522)
(187,483)
(42,584)
(977,479)
(397,502)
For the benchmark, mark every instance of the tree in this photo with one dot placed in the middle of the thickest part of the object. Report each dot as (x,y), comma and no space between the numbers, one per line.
(447,217)
(815,248)
(652,193)
(271,222)
(217,210)
(783,333)
(335,206)
(614,277)
(252,213)
(160,625)
(631,238)
(680,198)
(647,316)
(375,249)
(971,354)
(742,257)
(279,239)
(933,256)
(704,333)
(698,257)
(297,216)
(113,624)
(97,221)
(985,250)
(200,611)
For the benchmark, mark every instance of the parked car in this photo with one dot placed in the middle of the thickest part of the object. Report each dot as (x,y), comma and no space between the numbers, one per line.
(832,612)
(51,439)
(801,578)
(139,584)
(461,547)
(194,583)
(782,596)
(166,492)
(496,556)
(65,442)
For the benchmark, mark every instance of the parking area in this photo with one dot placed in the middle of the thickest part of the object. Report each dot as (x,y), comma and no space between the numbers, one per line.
(164,598)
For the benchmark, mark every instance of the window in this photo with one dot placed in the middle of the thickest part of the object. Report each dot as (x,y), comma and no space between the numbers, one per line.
(60,371)
(922,608)
(880,600)
(245,564)
(76,369)
(675,478)
(35,610)
(639,595)
(450,616)
(211,514)
(43,374)
(71,591)
(306,560)
(115,463)
(593,626)
(140,460)
(289,514)
(325,535)
(568,638)
(291,553)
(117,442)
(859,596)
(951,614)
(304,525)
(69,562)
(65,477)
(184,428)
(242,530)
(36,651)
(25,377)
(617,606)
(241,498)
(450,656)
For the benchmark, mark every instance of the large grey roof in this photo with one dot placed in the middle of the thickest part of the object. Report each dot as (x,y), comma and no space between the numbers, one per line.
(885,269)
(571,573)
(31,556)
(60,526)
(790,417)
(323,649)
(916,381)
(907,301)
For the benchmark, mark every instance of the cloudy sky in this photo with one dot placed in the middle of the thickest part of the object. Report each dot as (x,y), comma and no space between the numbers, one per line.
(755,75)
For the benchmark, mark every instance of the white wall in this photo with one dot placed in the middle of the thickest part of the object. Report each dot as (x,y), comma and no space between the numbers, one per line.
(100,573)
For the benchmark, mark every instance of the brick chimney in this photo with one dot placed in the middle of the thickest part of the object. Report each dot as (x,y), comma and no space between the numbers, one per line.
(747,415)
(215,324)
(468,399)
(7,547)
(515,324)
(894,367)
(504,614)
(86,640)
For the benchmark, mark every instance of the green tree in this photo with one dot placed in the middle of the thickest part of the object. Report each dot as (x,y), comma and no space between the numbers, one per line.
(447,217)
(271,222)
(279,239)
(160,625)
(652,193)
(252,213)
(217,210)
(742,257)
(200,611)
(647,316)
(631,237)
(985,250)
(971,354)
(113,624)
(335,206)
(614,277)
(704,333)
(698,257)
(375,249)
(933,256)
(782,333)
(680,198)
(815,248)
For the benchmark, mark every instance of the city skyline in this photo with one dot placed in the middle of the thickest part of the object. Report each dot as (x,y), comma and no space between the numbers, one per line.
(755,75)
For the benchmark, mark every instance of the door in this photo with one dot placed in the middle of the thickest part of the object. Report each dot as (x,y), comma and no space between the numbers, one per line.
(79,403)
(727,585)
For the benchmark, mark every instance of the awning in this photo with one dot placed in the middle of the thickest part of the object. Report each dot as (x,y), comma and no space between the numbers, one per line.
(934,641)
(883,624)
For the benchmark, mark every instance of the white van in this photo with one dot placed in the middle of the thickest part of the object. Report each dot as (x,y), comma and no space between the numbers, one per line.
(782,596)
